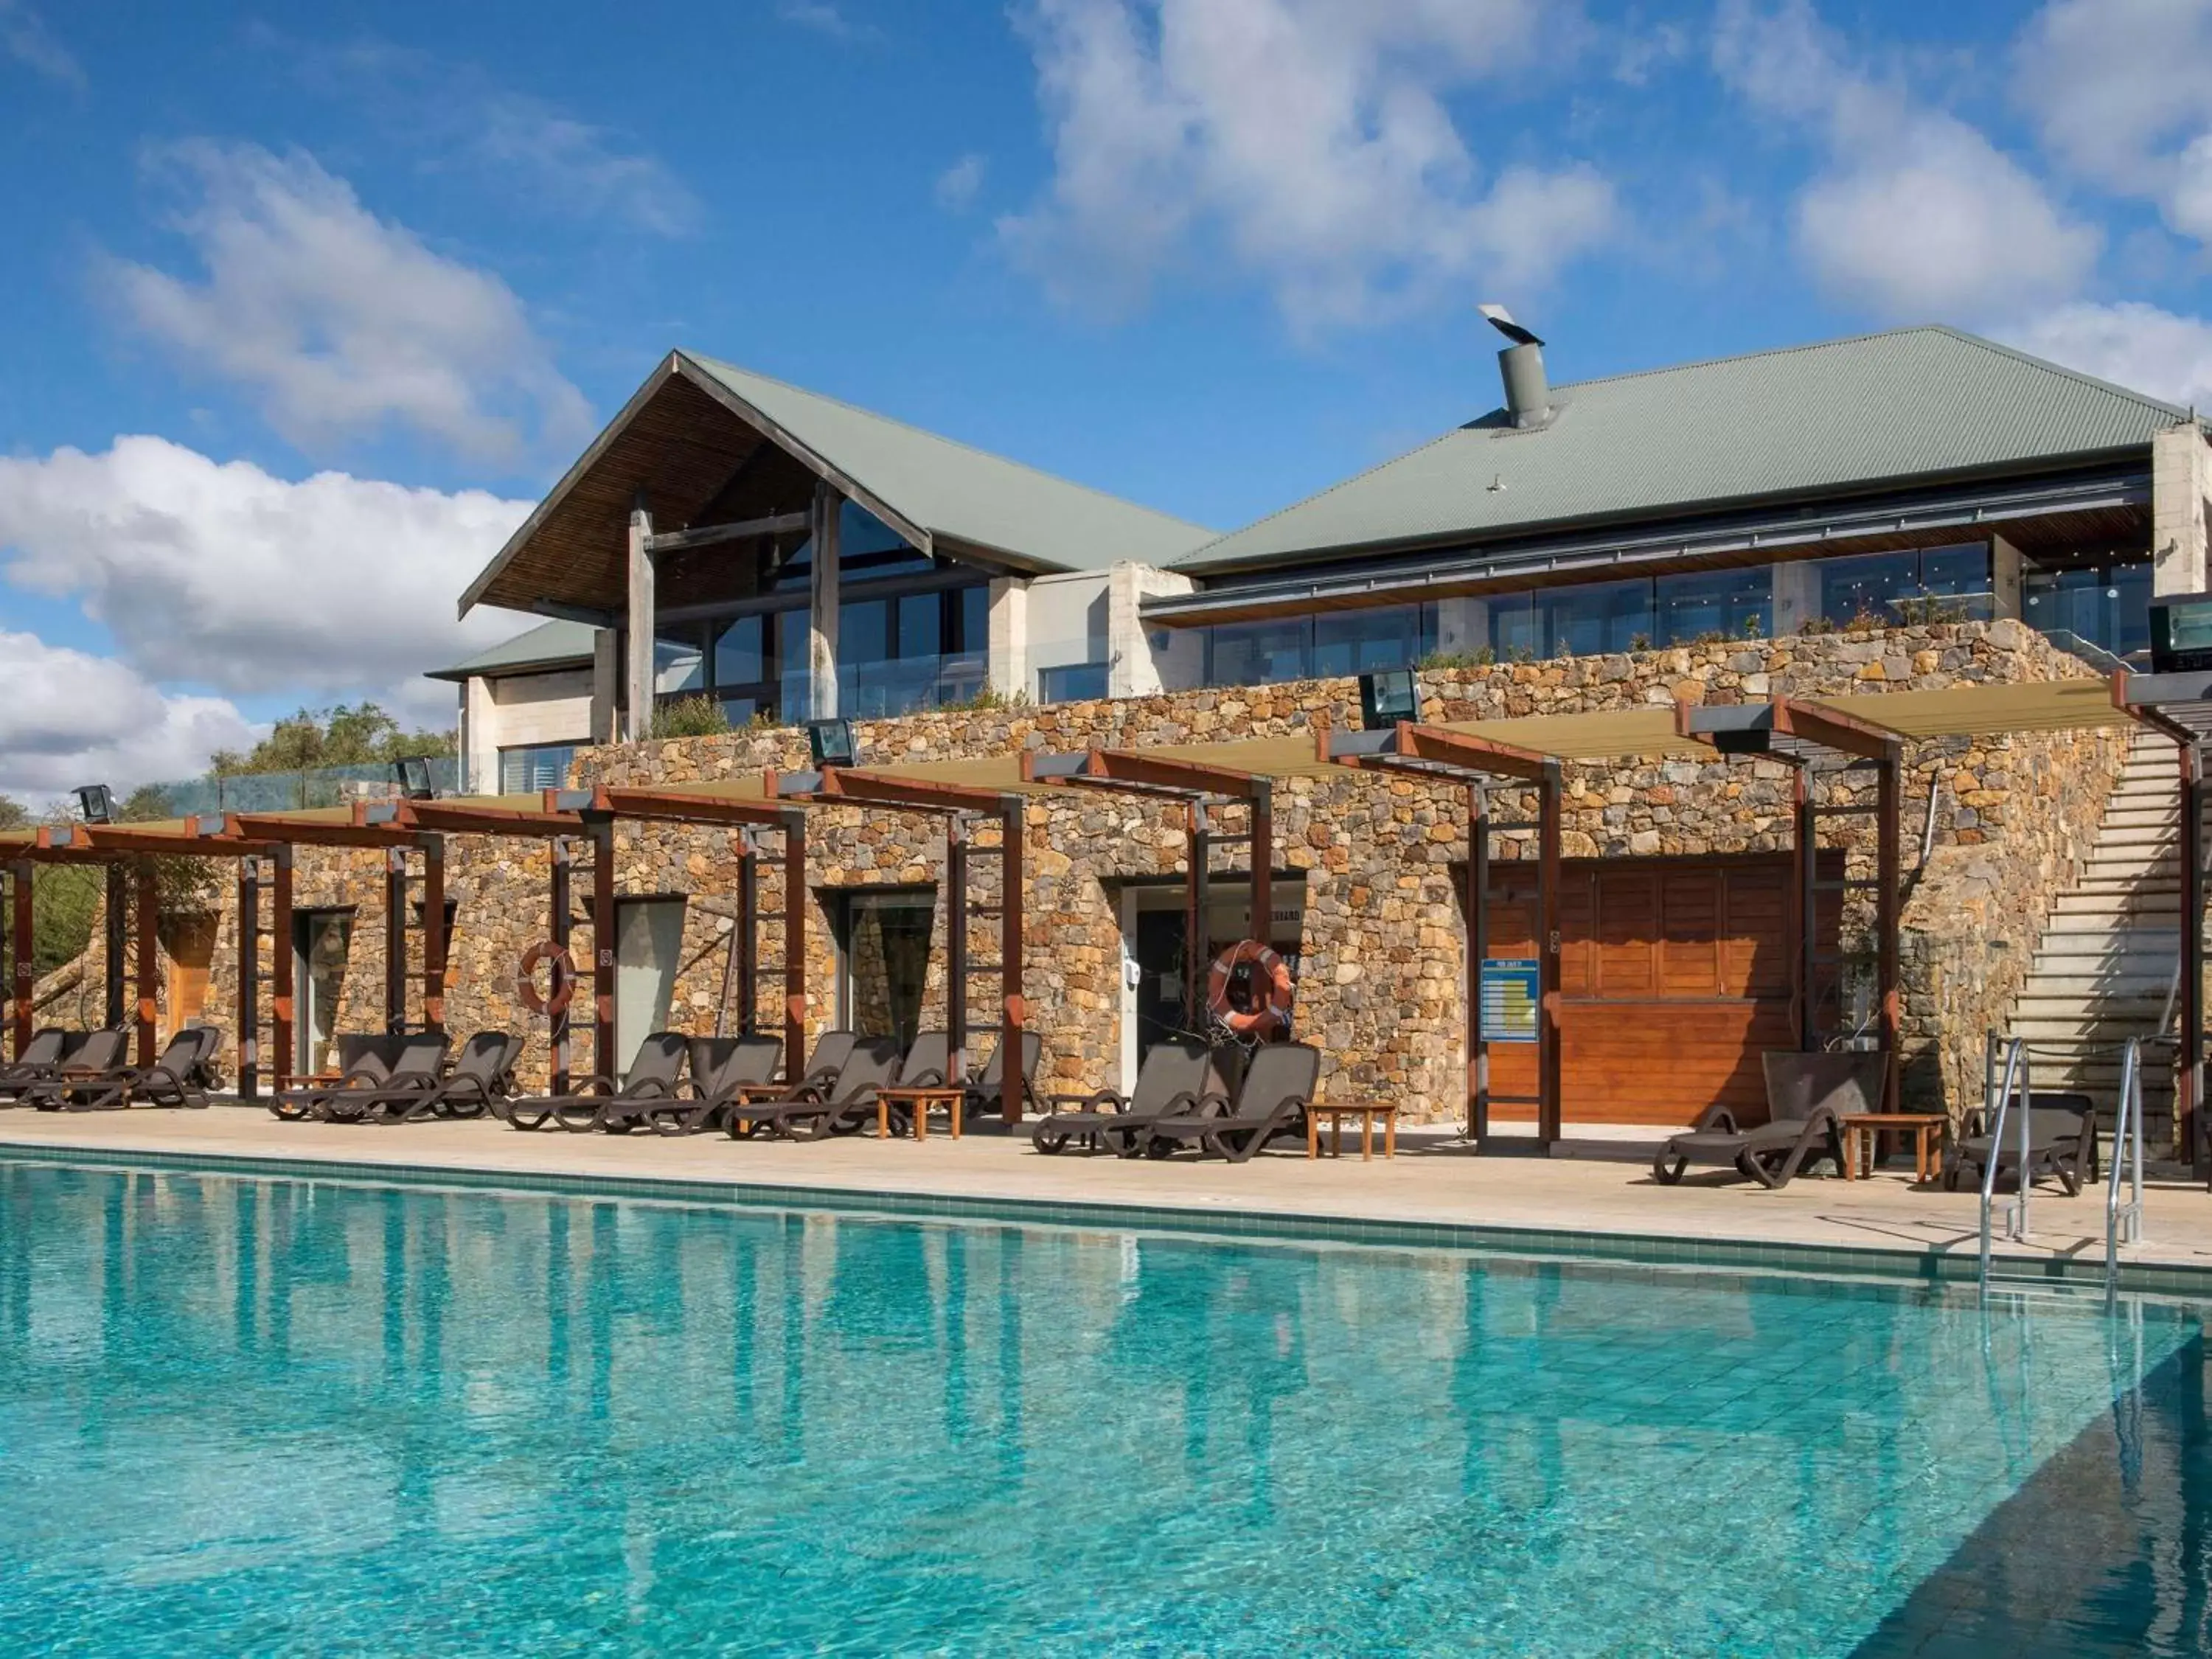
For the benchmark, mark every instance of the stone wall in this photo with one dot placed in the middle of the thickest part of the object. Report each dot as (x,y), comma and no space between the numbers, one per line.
(1382,953)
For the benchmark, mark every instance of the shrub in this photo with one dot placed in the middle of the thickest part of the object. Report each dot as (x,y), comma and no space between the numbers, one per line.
(688,717)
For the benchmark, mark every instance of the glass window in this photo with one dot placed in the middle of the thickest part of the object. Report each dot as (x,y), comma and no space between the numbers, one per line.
(1594,618)
(1700,604)
(921,625)
(740,711)
(1257,653)
(1076,682)
(1862,587)
(863,632)
(738,652)
(1362,641)
(2105,605)
(678,664)
(884,940)
(1948,570)
(535,766)
(1514,629)
(972,619)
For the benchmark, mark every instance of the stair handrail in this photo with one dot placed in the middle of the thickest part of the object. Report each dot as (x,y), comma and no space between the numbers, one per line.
(2124,1221)
(1996,1107)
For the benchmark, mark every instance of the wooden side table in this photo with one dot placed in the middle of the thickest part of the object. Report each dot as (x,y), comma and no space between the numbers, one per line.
(1866,1130)
(918,1103)
(1366,1111)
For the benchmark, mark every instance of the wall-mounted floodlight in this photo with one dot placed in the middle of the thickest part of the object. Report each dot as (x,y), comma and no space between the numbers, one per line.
(1388,697)
(96,804)
(412,773)
(832,744)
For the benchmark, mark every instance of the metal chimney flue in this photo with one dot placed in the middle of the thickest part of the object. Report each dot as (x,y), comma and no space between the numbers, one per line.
(1521,366)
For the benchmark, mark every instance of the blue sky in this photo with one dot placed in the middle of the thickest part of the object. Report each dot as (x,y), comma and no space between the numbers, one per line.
(304,305)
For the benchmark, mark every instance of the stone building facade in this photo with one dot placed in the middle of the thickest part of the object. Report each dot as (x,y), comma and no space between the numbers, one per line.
(1381,972)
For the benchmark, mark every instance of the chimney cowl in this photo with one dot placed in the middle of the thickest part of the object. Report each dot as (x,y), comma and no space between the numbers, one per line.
(1521,366)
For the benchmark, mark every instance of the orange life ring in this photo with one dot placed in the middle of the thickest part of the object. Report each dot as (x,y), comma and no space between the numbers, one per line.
(1272,1012)
(564,979)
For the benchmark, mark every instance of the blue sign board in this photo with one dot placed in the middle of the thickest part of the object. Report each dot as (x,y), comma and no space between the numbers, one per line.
(1509,995)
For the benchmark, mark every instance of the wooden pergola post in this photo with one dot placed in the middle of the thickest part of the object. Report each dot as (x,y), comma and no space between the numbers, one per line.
(281,971)
(1263,861)
(557,933)
(249,978)
(1477,906)
(795,901)
(433,934)
(24,969)
(2189,1078)
(115,920)
(1014,1014)
(1888,907)
(603,1060)
(1805,907)
(148,953)
(1548,1114)
(395,940)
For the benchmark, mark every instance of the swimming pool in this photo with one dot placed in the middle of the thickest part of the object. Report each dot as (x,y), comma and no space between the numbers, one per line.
(270,1416)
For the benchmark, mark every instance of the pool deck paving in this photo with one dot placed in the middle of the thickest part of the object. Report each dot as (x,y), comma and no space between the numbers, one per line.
(1602,1190)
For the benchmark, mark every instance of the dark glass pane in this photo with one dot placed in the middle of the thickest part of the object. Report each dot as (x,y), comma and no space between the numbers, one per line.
(1955,569)
(1862,587)
(859,532)
(921,625)
(972,619)
(2128,593)
(1362,641)
(1590,620)
(738,651)
(862,632)
(1081,681)
(1258,653)
(679,664)
(1705,603)
(1515,627)
(739,711)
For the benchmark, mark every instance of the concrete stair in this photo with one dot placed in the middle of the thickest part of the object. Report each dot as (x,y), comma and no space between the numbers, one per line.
(2104,968)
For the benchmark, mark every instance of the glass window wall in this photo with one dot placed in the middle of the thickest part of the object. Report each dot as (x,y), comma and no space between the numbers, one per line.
(1705,605)
(1309,647)
(2105,604)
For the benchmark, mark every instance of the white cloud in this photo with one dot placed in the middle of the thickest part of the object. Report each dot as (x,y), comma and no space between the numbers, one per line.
(2130,345)
(1915,214)
(223,575)
(826,17)
(2121,91)
(580,168)
(71,718)
(1310,139)
(25,37)
(340,323)
(957,185)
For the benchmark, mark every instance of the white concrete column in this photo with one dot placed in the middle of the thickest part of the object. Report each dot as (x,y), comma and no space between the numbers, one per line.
(639,618)
(824,591)
(479,738)
(2005,576)
(1141,661)
(607,684)
(1462,627)
(1010,637)
(2180,481)
(1796,595)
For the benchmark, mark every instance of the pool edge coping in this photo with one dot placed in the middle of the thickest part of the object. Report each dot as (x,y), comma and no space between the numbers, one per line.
(1926,1264)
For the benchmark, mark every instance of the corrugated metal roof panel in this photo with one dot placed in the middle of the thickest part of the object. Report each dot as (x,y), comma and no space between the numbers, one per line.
(949,489)
(548,644)
(1843,414)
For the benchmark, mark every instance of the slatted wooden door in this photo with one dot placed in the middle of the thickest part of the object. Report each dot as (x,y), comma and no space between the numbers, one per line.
(1675,976)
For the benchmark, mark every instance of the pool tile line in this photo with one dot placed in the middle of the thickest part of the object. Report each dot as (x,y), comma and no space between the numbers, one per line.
(1929,1266)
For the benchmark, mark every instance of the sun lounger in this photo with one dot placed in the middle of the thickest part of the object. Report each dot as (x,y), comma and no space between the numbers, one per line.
(181,1077)
(839,1105)
(418,1072)
(1807,1098)
(91,1061)
(1279,1083)
(721,1067)
(2061,1141)
(482,1077)
(1176,1075)
(41,1054)
(652,1076)
(364,1060)
(986,1090)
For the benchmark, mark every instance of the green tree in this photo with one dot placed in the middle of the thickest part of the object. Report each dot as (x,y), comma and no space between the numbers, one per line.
(359,734)
(14,815)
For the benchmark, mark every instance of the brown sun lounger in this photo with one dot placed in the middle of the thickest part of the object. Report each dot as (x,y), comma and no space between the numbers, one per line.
(722,1068)
(1176,1075)
(417,1070)
(181,1077)
(92,1061)
(482,1075)
(987,1089)
(1808,1096)
(1278,1084)
(838,1106)
(2062,1142)
(41,1055)
(365,1060)
(653,1076)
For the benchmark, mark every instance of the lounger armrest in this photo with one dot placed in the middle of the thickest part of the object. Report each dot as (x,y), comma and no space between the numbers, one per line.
(1716,1117)
(1214,1104)
(1104,1097)
(929,1079)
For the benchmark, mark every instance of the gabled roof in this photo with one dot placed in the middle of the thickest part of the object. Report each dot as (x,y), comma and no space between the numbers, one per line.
(686,432)
(1839,417)
(556,644)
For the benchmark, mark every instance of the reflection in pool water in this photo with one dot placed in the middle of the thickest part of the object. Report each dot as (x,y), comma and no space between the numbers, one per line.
(269,1416)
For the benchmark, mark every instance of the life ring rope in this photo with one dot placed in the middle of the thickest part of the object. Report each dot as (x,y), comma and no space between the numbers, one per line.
(1272,1012)
(555,1003)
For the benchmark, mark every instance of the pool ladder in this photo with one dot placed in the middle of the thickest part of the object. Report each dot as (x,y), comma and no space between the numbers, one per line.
(2009,1100)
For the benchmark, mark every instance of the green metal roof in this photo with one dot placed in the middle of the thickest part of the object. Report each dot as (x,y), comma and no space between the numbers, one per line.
(550,644)
(950,490)
(1842,415)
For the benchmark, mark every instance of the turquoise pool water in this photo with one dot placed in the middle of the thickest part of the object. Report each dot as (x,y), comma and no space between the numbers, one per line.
(272,1416)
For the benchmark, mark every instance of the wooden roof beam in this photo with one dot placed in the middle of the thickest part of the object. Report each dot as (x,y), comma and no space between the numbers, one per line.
(679,806)
(853,786)
(1408,746)
(775,523)
(1135,772)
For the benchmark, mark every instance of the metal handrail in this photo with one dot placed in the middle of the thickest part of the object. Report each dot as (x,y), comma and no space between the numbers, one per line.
(1995,1107)
(2123,1222)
